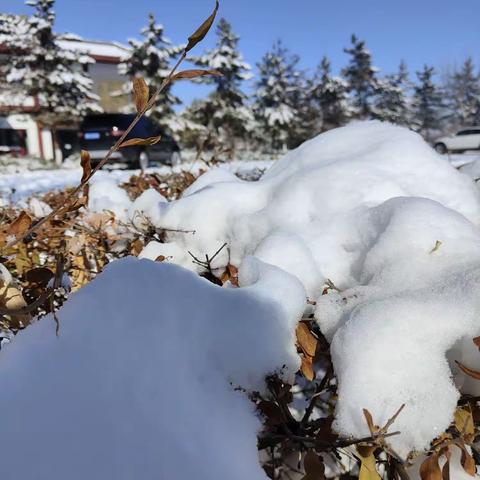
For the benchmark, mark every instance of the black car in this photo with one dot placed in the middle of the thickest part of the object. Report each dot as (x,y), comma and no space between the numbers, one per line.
(99,132)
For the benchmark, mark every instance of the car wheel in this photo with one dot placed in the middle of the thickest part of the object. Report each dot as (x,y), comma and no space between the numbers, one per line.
(441,148)
(143,161)
(175,159)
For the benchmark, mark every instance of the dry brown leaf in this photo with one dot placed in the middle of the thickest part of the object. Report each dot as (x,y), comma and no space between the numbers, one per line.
(85,164)
(371,426)
(202,30)
(196,73)
(464,422)
(430,470)
(313,466)
(468,371)
(87,170)
(468,463)
(12,299)
(306,340)
(307,367)
(368,468)
(141,141)
(136,247)
(20,225)
(140,93)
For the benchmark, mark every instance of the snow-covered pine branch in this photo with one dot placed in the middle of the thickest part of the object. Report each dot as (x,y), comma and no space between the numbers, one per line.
(57,78)
(151,58)
(225,110)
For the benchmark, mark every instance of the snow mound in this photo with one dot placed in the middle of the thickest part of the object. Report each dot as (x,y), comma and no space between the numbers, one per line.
(305,206)
(375,210)
(417,295)
(106,195)
(140,383)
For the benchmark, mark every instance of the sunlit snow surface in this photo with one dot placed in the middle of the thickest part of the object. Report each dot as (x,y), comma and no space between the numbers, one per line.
(394,226)
(140,382)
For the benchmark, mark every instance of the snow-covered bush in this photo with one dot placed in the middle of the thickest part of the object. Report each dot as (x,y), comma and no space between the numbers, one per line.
(364,234)
(373,210)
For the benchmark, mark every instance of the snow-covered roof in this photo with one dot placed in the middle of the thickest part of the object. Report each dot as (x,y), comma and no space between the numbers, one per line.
(101,51)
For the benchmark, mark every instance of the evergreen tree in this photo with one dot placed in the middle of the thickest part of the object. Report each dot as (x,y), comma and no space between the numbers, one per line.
(427,103)
(463,92)
(360,75)
(276,99)
(55,77)
(392,103)
(151,58)
(331,95)
(225,110)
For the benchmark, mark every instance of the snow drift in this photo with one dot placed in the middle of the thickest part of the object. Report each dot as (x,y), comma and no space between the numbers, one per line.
(140,383)
(374,209)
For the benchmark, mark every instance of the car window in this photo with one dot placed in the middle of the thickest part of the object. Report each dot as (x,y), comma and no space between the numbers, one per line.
(463,132)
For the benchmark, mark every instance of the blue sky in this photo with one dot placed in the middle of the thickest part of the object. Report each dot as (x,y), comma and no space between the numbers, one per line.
(438,32)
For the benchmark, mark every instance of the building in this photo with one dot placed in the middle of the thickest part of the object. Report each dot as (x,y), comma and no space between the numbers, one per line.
(20,134)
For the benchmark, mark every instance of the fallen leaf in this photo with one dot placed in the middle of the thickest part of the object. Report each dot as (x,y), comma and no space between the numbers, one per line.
(464,422)
(20,225)
(371,426)
(368,468)
(467,461)
(430,470)
(306,340)
(313,466)
(307,367)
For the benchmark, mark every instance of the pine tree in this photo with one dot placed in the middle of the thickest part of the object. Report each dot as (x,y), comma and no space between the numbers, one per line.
(55,77)
(13,30)
(463,92)
(225,110)
(331,95)
(427,103)
(360,75)
(392,103)
(276,101)
(150,58)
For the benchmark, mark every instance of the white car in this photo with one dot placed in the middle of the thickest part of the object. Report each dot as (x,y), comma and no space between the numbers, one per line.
(464,139)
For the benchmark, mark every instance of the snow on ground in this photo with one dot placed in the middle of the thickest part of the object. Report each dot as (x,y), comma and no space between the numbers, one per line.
(140,382)
(374,209)
(25,183)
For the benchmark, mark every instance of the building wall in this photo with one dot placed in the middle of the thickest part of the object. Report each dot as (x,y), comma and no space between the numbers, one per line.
(107,81)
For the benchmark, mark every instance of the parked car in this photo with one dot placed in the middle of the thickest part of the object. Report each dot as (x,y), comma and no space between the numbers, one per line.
(99,132)
(464,139)
(12,142)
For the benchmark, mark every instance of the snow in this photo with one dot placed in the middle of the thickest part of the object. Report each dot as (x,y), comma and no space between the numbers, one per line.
(106,195)
(394,226)
(91,47)
(25,183)
(141,381)
(370,208)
